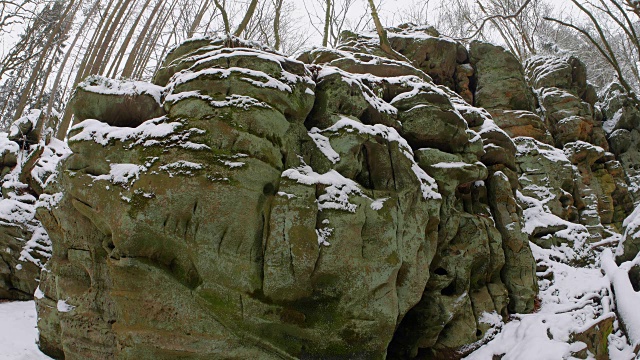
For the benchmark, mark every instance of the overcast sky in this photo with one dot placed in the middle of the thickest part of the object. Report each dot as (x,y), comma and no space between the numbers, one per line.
(391,11)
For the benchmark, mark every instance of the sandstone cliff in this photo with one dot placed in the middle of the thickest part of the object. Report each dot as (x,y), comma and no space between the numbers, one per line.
(341,205)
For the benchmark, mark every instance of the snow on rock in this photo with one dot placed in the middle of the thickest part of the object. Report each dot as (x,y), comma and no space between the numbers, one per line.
(122,174)
(235,100)
(626,298)
(101,133)
(631,235)
(102,85)
(322,139)
(63,307)
(254,77)
(323,144)
(538,217)
(44,171)
(357,81)
(338,190)
(572,300)
(24,125)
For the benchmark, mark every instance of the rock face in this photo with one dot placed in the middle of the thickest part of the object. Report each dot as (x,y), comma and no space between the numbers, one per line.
(26,169)
(344,205)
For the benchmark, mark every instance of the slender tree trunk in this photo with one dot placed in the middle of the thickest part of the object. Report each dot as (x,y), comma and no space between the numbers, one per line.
(36,70)
(225,17)
(123,48)
(276,24)
(104,44)
(56,82)
(91,46)
(65,123)
(198,19)
(129,65)
(150,41)
(382,33)
(113,43)
(247,17)
(327,23)
(61,39)
(96,47)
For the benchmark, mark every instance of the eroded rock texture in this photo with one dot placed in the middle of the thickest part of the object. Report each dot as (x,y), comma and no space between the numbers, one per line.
(26,168)
(345,206)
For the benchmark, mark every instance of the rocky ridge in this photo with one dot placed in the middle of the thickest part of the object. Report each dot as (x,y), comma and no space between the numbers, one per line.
(345,204)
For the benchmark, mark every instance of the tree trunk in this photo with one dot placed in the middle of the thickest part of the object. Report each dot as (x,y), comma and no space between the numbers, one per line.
(129,65)
(123,48)
(56,82)
(147,47)
(327,23)
(97,63)
(225,17)
(247,17)
(276,24)
(198,19)
(36,70)
(96,46)
(382,33)
(112,44)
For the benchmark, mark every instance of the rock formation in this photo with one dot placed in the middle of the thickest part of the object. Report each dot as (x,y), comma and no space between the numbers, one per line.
(343,205)
(25,246)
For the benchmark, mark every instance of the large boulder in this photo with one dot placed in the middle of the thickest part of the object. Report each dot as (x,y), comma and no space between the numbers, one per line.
(117,103)
(500,80)
(568,73)
(283,210)
(522,123)
(25,244)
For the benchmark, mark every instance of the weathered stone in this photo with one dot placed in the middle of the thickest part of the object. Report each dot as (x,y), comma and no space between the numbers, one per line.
(596,337)
(570,118)
(567,73)
(500,79)
(522,123)
(434,124)
(518,272)
(23,131)
(435,55)
(620,141)
(117,103)
(464,74)
(283,211)
(618,109)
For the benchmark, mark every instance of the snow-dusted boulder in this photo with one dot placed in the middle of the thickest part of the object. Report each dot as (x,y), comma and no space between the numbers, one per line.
(25,246)
(283,209)
(117,102)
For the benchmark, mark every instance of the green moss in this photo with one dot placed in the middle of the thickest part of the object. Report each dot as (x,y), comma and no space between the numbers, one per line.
(138,203)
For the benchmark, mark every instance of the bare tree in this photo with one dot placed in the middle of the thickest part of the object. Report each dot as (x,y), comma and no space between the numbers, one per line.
(225,17)
(56,32)
(611,30)
(330,17)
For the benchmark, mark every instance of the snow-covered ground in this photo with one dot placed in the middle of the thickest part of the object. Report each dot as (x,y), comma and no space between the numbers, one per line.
(18,332)
(573,298)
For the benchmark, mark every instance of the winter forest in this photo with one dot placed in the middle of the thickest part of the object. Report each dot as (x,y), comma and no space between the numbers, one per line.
(48,47)
(320,179)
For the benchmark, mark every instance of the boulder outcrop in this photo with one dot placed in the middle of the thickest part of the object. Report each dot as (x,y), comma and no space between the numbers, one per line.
(347,204)
(341,208)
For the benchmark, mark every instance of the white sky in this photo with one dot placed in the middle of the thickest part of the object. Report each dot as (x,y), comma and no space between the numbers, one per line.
(390,11)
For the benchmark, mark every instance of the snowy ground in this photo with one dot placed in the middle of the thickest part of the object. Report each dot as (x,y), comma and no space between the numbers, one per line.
(572,299)
(18,333)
